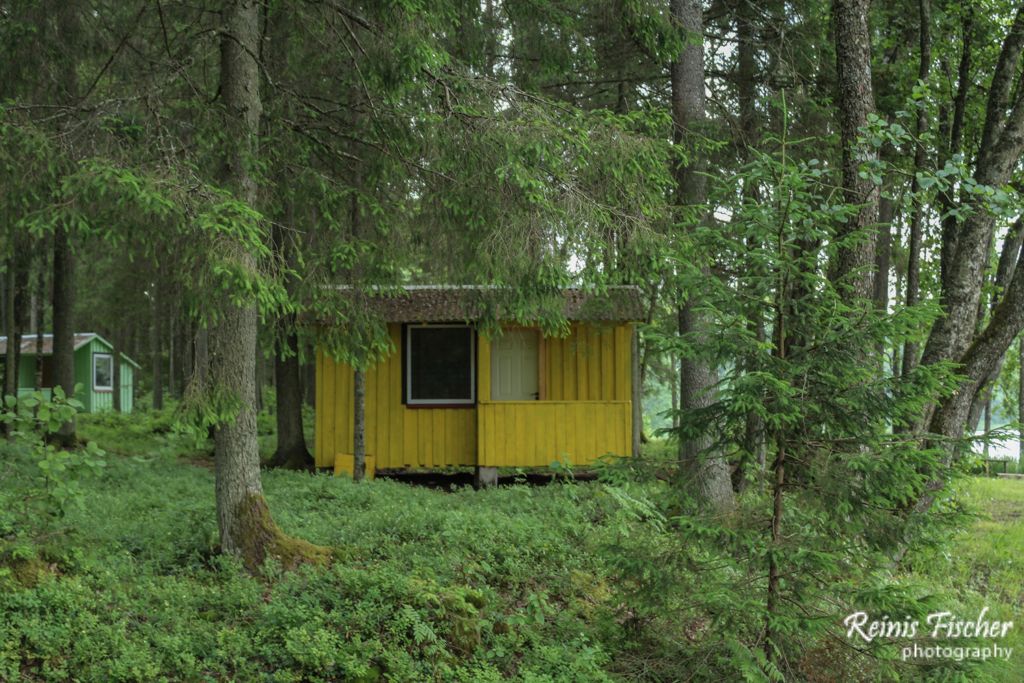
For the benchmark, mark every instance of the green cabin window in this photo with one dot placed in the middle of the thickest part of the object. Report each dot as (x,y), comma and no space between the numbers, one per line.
(439,367)
(102,372)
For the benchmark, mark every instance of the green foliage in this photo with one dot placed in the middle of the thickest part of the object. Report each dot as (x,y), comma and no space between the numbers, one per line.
(566,582)
(31,419)
(464,605)
(822,399)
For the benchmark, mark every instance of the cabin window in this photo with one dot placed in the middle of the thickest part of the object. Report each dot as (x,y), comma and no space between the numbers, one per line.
(439,367)
(102,372)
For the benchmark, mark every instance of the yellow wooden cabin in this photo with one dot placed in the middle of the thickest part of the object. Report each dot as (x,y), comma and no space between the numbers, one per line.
(449,396)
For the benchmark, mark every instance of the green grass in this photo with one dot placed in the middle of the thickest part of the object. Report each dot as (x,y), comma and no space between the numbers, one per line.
(461,585)
(983,565)
(517,582)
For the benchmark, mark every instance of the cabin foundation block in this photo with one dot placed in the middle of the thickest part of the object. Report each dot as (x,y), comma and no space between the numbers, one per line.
(485,476)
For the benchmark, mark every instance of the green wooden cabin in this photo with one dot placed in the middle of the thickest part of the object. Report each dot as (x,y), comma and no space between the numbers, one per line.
(94,370)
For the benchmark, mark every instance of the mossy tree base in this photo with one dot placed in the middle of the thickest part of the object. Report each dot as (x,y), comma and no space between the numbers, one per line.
(26,572)
(256,538)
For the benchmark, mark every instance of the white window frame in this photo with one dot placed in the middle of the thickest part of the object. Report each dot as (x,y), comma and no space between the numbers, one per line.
(95,357)
(409,400)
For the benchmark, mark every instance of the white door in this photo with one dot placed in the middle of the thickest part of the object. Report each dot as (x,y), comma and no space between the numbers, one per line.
(514,366)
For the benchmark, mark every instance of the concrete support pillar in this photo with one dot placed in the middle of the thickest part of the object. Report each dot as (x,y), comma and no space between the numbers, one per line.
(485,476)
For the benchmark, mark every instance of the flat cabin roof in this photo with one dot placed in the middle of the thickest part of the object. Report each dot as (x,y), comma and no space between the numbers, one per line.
(28,344)
(447,303)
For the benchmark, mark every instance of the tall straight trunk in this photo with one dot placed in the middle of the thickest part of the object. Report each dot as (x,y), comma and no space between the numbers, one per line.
(883,253)
(856,253)
(359,374)
(246,528)
(883,258)
(232,339)
(13,356)
(309,383)
(674,388)
(754,445)
(188,349)
(778,484)
(201,371)
(291,451)
(172,349)
(258,363)
(897,350)
(705,472)
(951,129)
(920,156)
(63,356)
(155,351)
(359,424)
(63,325)
(39,311)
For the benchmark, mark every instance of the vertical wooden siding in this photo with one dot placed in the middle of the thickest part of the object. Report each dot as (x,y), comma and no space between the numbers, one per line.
(587,414)
(127,387)
(537,433)
(396,436)
(591,364)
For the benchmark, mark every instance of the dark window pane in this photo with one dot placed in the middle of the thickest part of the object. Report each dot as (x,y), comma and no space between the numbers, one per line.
(441,363)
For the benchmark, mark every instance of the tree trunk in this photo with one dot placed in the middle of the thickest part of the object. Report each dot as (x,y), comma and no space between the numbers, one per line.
(965,251)
(39,310)
(188,349)
(63,258)
(13,356)
(201,370)
(359,424)
(156,357)
(63,325)
(977,363)
(674,387)
(258,364)
(951,132)
(1009,256)
(883,253)
(754,445)
(706,472)
(856,253)
(778,485)
(309,383)
(920,156)
(172,338)
(246,528)
(291,452)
